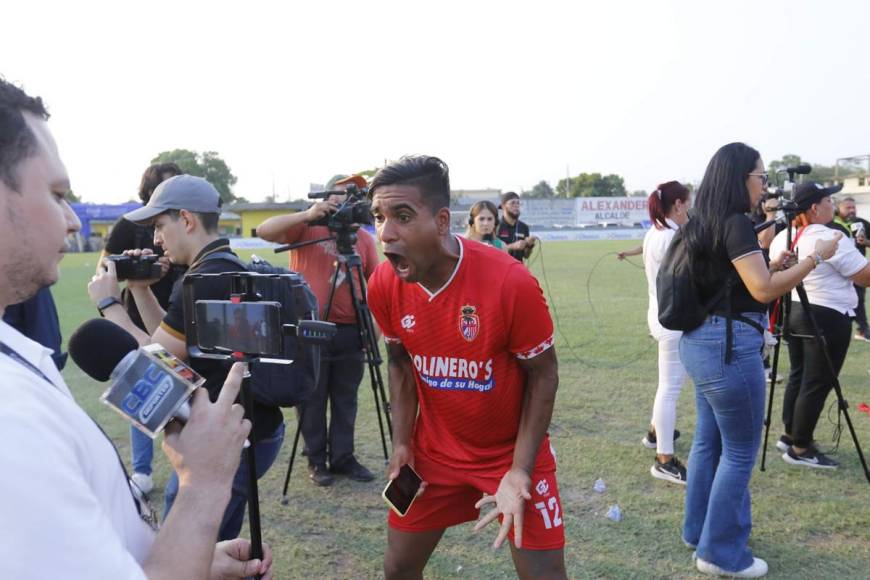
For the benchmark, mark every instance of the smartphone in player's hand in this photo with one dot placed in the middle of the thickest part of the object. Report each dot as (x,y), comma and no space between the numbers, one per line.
(400,492)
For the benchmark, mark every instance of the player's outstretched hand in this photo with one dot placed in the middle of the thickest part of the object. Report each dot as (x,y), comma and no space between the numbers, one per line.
(509,500)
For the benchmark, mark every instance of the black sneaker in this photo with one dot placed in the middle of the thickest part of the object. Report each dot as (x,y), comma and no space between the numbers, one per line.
(353,469)
(672,470)
(649,440)
(320,475)
(810,458)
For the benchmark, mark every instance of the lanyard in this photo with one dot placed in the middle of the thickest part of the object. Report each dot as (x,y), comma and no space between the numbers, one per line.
(146,512)
(8,351)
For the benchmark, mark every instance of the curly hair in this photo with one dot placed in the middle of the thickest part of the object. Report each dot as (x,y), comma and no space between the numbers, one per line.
(154,176)
(17,141)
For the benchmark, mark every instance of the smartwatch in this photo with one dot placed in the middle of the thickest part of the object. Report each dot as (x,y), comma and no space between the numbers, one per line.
(106,303)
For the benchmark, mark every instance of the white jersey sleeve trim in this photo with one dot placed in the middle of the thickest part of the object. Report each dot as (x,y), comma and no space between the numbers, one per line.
(533,352)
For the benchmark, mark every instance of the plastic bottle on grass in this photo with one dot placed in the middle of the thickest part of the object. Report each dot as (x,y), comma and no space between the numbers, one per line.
(599,485)
(614,513)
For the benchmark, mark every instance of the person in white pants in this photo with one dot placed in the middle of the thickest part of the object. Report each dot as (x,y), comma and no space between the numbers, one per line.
(668,210)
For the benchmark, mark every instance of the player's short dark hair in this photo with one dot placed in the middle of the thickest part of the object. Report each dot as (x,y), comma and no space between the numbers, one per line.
(209,221)
(428,174)
(153,177)
(17,141)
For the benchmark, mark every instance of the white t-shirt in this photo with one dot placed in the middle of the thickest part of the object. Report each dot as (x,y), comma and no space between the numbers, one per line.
(65,506)
(830,284)
(655,245)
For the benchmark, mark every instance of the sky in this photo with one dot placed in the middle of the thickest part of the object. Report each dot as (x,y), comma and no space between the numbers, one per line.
(507,93)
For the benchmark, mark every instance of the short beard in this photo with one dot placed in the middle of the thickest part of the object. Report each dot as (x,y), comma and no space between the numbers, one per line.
(21,281)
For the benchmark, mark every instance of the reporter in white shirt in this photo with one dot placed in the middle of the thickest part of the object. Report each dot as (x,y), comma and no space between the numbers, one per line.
(668,210)
(832,299)
(66,509)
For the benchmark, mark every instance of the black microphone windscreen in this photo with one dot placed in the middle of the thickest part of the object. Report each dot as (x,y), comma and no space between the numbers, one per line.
(98,345)
(803,168)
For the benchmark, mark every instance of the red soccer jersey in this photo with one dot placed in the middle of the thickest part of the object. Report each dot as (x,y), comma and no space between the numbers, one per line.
(465,341)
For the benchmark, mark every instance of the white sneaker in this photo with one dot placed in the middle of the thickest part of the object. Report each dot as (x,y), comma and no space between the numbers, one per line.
(144,482)
(756,570)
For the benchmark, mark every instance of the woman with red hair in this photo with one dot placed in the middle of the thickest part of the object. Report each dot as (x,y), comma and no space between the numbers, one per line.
(668,210)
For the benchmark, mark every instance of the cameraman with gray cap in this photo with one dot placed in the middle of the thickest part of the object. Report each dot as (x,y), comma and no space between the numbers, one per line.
(832,300)
(184,211)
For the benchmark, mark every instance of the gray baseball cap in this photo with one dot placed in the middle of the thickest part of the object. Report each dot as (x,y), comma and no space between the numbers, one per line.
(194,194)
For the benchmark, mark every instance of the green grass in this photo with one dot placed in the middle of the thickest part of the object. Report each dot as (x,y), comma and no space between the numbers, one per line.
(807,524)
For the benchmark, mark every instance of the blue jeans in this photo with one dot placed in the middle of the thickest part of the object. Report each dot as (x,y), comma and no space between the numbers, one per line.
(266,451)
(730,404)
(141,450)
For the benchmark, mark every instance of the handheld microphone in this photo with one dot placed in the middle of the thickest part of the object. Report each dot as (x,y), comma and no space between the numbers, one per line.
(149,385)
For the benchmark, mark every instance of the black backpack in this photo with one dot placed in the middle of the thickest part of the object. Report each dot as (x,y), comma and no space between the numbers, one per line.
(679,301)
(279,385)
(680,306)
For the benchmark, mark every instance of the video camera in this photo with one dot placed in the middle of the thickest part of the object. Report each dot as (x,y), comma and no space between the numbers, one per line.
(784,192)
(136,267)
(355,210)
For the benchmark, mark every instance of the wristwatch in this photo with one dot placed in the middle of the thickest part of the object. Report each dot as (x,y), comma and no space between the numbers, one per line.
(817,258)
(106,303)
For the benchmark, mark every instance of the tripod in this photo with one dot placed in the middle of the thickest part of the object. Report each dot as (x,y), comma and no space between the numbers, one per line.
(348,268)
(782,323)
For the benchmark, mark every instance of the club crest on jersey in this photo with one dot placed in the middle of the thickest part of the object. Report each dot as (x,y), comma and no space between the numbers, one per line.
(543,488)
(469,322)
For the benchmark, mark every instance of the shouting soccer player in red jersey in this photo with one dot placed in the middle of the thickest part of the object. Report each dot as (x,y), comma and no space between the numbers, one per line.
(470,344)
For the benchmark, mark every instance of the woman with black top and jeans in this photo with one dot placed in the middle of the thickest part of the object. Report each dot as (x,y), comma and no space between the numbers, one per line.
(723,357)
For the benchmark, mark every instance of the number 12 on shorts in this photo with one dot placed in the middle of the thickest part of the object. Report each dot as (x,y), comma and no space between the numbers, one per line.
(545,508)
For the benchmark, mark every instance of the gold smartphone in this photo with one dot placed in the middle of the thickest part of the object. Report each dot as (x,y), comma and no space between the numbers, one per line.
(401,492)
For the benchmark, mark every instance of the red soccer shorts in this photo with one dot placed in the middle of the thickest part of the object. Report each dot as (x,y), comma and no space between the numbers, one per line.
(451,494)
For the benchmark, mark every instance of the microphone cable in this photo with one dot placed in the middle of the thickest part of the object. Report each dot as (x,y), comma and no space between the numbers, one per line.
(596,322)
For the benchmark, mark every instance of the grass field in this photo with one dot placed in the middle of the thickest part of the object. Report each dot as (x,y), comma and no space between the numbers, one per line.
(807,524)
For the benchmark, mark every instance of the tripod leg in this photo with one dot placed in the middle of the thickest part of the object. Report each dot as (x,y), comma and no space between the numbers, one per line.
(376,381)
(372,350)
(773,368)
(843,405)
(253,490)
(284,500)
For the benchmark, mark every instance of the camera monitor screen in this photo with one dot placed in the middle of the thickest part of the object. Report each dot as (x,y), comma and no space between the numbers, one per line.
(247,327)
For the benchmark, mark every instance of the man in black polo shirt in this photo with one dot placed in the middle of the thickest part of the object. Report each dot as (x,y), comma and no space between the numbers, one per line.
(184,211)
(858,229)
(512,231)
